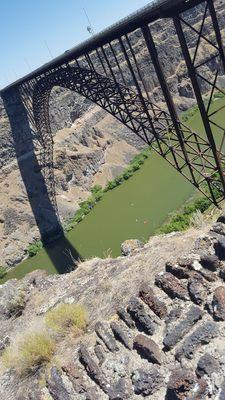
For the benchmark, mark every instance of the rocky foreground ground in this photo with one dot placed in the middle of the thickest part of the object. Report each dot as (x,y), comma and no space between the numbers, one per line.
(156,324)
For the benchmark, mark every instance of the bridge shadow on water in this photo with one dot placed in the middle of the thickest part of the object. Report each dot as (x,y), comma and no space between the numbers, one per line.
(60,251)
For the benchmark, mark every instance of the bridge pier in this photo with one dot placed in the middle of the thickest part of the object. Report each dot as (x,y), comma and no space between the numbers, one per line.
(29,163)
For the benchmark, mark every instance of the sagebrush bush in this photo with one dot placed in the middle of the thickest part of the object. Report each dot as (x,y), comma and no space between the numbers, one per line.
(67,318)
(27,354)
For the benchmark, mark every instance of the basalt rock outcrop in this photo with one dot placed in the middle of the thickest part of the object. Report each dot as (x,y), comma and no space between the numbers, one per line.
(143,340)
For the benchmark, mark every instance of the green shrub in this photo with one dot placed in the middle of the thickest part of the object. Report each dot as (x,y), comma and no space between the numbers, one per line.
(67,318)
(34,248)
(29,353)
(3,271)
(111,185)
(127,174)
(97,193)
(184,218)
(135,166)
(96,189)
(98,196)
(202,204)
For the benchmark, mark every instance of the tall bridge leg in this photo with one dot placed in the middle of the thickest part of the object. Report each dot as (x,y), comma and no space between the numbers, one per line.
(217,31)
(204,114)
(168,98)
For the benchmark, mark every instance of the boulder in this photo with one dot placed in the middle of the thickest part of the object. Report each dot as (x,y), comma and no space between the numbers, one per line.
(148,349)
(146,382)
(129,246)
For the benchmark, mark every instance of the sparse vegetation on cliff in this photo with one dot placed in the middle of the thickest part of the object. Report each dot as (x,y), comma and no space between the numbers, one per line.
(34,248)
(183,218)
(66,318)
(27,354)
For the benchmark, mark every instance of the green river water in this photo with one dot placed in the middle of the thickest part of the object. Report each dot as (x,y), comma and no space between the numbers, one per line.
(133,210)
(136,209)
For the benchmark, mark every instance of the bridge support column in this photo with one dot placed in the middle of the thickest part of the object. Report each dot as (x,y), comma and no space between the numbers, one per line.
(168,98)
(45,214)
(192,72)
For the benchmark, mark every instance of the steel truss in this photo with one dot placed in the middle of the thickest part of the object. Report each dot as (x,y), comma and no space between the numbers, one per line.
(110,75)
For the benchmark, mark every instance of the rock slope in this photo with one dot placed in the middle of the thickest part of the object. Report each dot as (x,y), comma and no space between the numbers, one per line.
(156,324)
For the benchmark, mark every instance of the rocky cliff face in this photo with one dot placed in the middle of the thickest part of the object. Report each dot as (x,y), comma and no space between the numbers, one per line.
(90,146)
(156,324)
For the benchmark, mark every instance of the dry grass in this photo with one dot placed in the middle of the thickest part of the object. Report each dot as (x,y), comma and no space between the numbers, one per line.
(67,318)
(25,355)
(17,304)
(197,220)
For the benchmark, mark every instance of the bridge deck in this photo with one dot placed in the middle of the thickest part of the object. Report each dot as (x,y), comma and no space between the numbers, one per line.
(150,13)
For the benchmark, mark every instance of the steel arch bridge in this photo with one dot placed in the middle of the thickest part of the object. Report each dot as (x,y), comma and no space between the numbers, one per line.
(108,70)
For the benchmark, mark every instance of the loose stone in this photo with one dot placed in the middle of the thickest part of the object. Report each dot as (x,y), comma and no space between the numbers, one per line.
(207,364)
(210,261)
(197,289)
(100,353)
(126,318)
(148,349)
(173,315)
(183,385)
(76,376)
(218,228)
(173,336)
(106,337)
(219,247)
(146,382)
(172,286)
(92,393)
(221,218)
(209,275)
(56,386)
(129,246)
(121,390)
(218,303)
(92,369)
(121,335)
(177,270)
(147,295)
(142,319)
(201,335)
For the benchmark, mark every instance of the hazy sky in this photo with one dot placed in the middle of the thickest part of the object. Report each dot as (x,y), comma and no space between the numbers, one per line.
(29,27)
